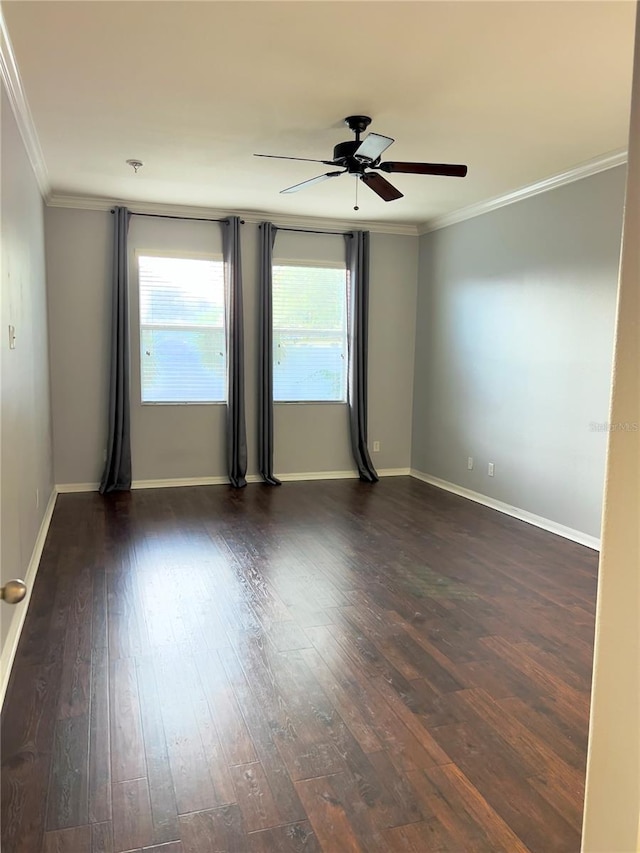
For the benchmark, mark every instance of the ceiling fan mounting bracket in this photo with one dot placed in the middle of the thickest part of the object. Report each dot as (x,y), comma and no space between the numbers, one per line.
(358,124)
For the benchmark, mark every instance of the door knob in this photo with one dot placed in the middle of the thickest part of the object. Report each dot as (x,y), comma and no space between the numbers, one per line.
(13,591)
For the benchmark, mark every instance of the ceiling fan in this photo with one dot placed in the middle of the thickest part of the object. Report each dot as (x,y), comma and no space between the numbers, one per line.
(358,157)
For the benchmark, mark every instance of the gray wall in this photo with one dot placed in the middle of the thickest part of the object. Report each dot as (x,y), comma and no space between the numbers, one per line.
(188,441)
(514,340)
(27,471)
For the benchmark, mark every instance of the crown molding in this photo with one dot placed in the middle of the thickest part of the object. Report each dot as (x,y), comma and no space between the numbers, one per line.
(584,170)
(18,100)
(77,202)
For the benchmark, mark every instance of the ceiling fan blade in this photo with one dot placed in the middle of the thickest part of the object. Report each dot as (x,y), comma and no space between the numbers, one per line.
(447,169)
(381,186)
(296,187)
(306,159)
(372,147)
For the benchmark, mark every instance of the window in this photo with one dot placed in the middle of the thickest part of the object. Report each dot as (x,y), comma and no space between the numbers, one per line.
(309,332)
(182,334)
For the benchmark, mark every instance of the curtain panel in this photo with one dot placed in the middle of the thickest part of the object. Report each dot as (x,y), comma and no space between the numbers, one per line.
(357,247)
(117,470)
(236,425)
(265,356)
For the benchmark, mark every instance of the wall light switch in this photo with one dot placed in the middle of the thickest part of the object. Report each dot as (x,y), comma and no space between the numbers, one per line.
(376,446)
(470,463)
(491,469)
(12,337)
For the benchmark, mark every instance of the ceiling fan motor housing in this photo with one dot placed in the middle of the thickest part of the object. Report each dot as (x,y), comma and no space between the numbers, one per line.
(343,155)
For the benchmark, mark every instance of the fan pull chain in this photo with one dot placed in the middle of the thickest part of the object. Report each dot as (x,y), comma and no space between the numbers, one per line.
(356,204)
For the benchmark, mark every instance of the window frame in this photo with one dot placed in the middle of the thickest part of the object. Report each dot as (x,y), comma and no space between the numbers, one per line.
(317,264)
(177,254)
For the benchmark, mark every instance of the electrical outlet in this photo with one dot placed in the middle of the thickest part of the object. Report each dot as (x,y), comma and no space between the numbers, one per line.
(376,446)
(491,469)
(469,463)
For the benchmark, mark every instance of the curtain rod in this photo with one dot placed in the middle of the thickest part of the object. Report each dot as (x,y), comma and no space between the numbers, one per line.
(312,231)
(190,218)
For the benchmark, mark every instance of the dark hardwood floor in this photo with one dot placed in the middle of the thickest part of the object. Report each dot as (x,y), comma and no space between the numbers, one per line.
(325,666)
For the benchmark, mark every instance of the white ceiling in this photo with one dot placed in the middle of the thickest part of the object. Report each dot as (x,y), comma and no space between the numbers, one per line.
(519,91)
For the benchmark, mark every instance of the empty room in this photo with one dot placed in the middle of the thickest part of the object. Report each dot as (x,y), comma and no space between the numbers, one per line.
(320,463)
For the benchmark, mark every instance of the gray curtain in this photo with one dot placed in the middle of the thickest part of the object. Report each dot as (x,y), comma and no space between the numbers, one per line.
(117,470)
(357,245)
(236,428)
(265,356)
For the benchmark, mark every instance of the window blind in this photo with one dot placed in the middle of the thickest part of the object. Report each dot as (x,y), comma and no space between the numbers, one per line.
(309,333)
(182,334)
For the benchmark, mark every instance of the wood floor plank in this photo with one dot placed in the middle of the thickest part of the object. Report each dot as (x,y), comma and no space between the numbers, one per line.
(164,809)
(34,649)
(326,666)
(102,837)
(132,824)
(213,831)
(257,805)
(214,754)
(363,813)
(454,786)
(292,838)
(454,828)
(99,619)
(27,733)
(127,748)
(341,699)
(281,784)
(571,704)
(68,799)
(76,659)
(565,795)
(126,629)
(74,840)
(530,748)
(411,721)
(402,746)
(192,783)
(377,781)
(541,722)
(225,712)
(305,752)
(490,771)
(417,838)
(328,815)
(99,739)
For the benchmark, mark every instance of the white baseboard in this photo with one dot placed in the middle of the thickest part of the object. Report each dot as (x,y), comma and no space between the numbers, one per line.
(339,475)
(317,475)
(66,488)
(513,511)
(170,483)
(176,482)
(20,610)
